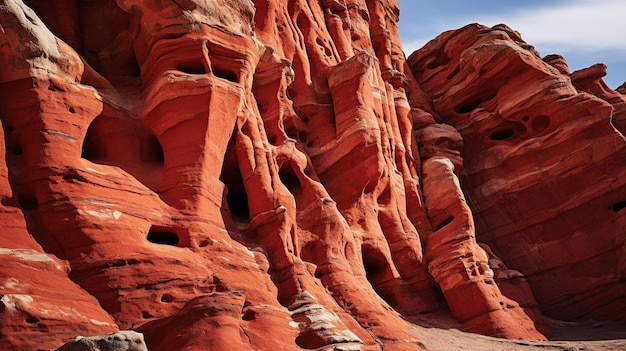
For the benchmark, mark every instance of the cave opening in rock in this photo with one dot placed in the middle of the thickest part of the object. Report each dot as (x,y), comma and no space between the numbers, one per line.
(28,202)
(502,134)
(225,64)
(311,341)
(192,68)
(225,74)
(92,150)
(16,149)
(237,199)
(118,141)
(167,298)
(151,151)
(444,223)
(162,236)
(378,272)
(236,195)
(374,263)
(618,206)
(289,177)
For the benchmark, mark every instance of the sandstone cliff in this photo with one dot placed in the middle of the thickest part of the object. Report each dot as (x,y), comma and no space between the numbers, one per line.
(272,175)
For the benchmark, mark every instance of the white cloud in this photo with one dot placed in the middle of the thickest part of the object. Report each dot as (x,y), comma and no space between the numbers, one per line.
(413,45)
(584,31)
(581,25)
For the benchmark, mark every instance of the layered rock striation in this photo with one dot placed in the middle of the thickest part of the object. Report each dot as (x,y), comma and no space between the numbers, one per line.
(544,163)
(260,175)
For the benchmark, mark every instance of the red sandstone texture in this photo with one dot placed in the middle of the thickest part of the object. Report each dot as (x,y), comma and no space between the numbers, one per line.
(272,175)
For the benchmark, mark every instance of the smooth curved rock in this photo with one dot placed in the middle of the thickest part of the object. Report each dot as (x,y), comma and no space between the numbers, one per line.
(544,164)
(118,341)
(212,173)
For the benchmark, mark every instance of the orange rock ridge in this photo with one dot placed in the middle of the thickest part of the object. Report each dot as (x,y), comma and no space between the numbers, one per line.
(266,175)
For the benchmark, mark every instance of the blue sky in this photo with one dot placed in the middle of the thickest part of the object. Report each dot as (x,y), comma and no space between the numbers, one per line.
(585,32)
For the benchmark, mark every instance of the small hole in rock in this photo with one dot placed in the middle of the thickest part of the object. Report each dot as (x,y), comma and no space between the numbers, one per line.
(444,223)
(32,320)
(309,144)
(93,149)
(289,177)
(313,341)
(192,68)
(235,190)
(28,202)
(502,134)
(173,36)
(29,18)
(469,107)
(225,74)
(374,263)
(17,150)
(146,315)
(525,118)
(433,64)
(302,137)
(162,236)
(618,206)
(453,73)
(236,195)
(249,315)
(167,298)
(72,110)
(292,132)
(318,273)
(151,150)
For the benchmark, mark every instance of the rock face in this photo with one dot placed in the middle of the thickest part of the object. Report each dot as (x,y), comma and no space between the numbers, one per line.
(212,173)
(544,164)
(117,341)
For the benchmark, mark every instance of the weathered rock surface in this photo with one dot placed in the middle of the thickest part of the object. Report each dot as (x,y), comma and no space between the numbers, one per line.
(118,341)
(267,175)
(544,164)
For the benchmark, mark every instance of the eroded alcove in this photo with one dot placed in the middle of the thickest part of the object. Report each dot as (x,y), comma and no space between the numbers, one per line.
(163,236)
(235,190)
(288,176)
(126,144)
(117,141)
(99,30)
(378,272)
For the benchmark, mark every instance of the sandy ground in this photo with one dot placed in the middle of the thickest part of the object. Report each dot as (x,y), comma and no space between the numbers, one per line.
(441,333)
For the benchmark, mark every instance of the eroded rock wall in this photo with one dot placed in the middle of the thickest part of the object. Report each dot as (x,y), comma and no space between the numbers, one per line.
(210,173)
(544,163)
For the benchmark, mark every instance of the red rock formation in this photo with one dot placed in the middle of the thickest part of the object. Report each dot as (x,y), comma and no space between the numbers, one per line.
(213,173)
(544,164)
